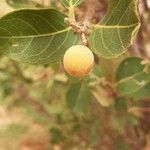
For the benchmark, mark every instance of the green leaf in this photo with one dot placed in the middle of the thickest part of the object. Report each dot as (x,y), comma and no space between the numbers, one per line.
(142,93)
(35,36)
(71,3)
(128,67)
(14,131)
(120,143)
(97,71)
(111,37)
(120,105)
(131,76)
(78,97)
(56,135)
(20,3)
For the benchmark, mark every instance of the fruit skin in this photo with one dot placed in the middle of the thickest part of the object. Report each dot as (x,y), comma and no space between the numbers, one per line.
(78,60)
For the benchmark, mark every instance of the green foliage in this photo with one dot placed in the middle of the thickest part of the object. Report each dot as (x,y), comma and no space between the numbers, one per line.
(131,76)
(52,101)
(71,3)
(56,135)
(20,3)
(35,36)
(78,97)
(120,144)
(121,104)
(142,93)
(14,130)
(97,71)
(111,37)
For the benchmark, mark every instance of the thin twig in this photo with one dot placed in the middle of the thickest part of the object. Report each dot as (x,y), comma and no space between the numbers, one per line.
(81,29)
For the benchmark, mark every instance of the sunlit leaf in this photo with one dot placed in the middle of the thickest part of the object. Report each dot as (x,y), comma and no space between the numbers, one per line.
(20,3)
(35,36)
(142,93)
(131,76)
(71,3)
(78,97)
(111,37)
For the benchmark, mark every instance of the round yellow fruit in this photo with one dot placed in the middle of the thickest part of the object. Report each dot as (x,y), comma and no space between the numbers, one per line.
(78,60)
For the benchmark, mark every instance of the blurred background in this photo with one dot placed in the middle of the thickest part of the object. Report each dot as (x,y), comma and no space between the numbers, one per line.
(33,111)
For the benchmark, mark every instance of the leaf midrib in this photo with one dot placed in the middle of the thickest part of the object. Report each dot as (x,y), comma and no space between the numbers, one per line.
(128,78)
(131,78)
(115,26)
(71,4)
(37,36)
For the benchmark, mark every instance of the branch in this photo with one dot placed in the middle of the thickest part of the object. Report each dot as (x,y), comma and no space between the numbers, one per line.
(81,29)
